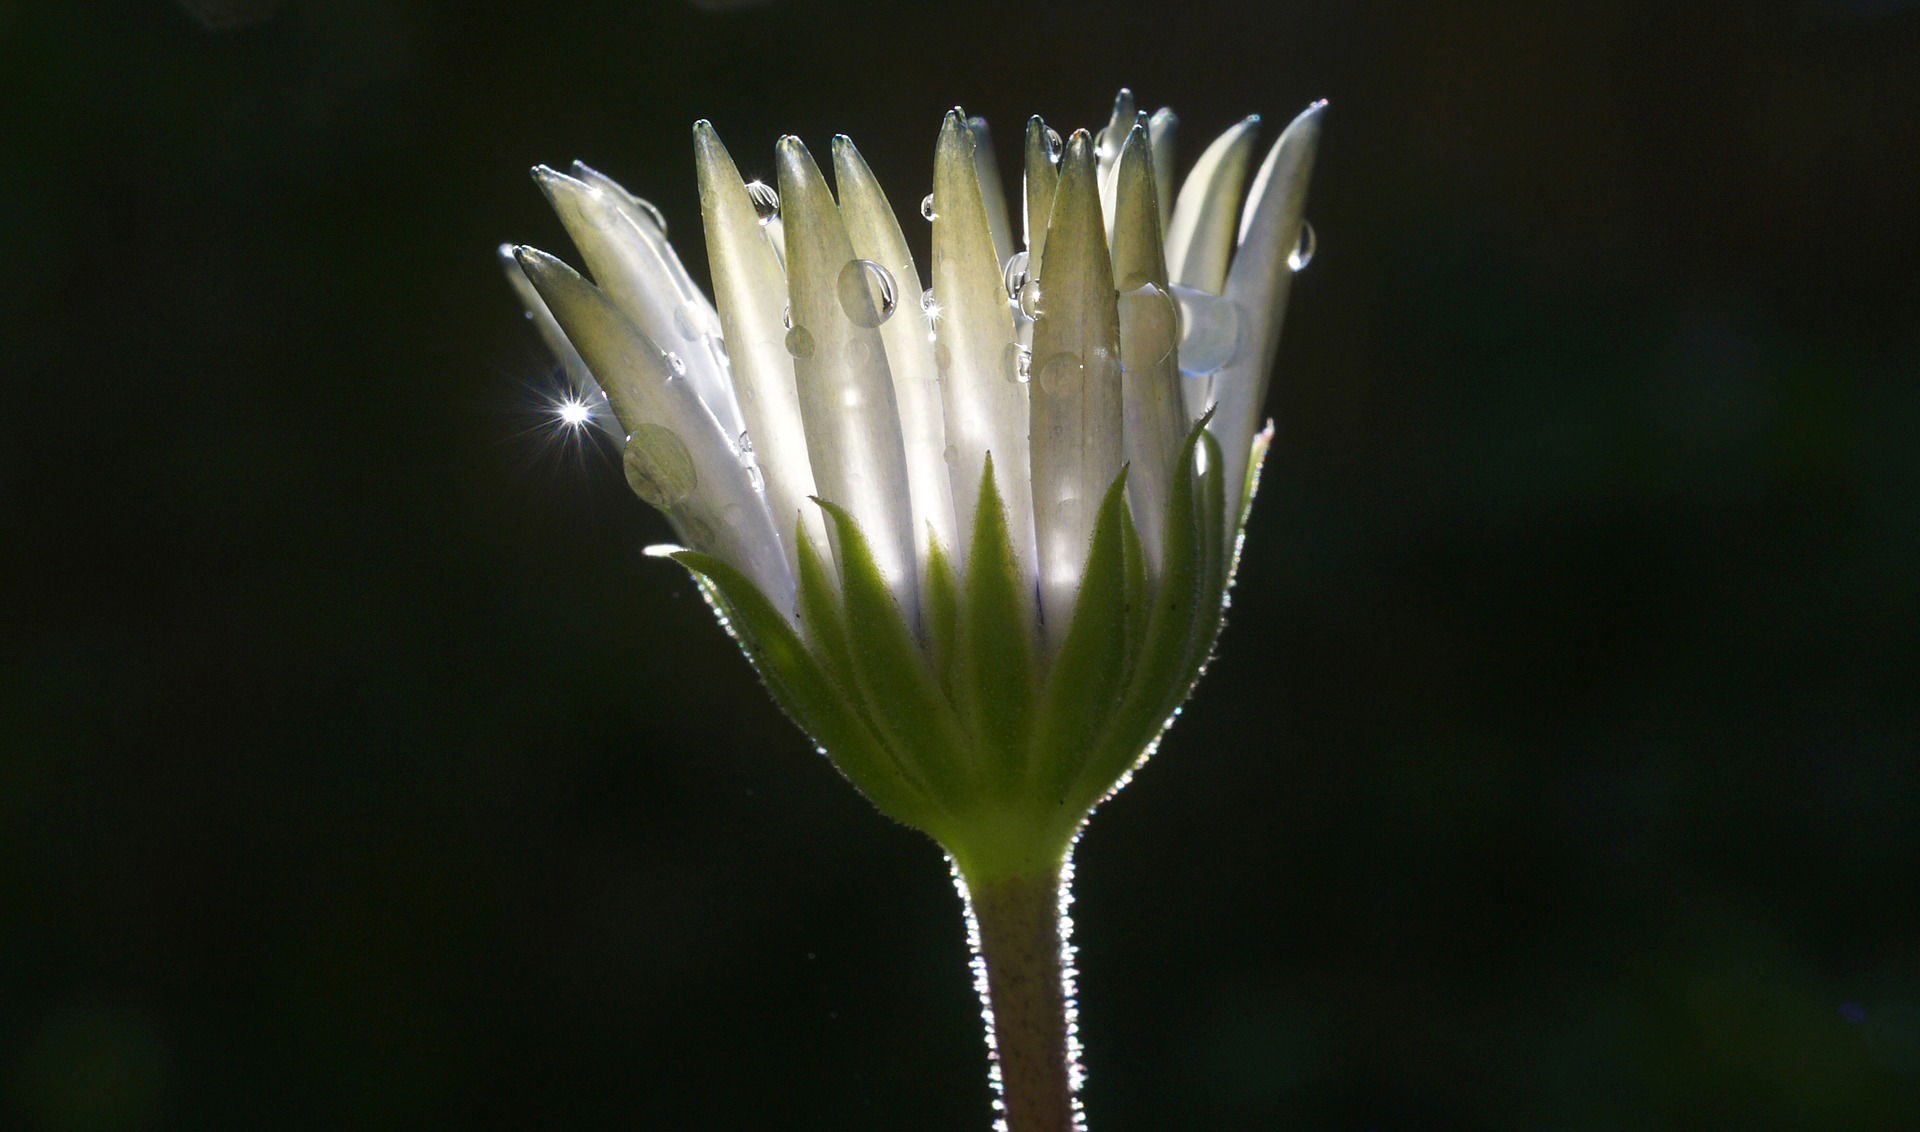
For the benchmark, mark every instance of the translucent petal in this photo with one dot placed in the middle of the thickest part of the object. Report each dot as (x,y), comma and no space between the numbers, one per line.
(1258,284)
(1200,235)
(986,409)
(875,232)
(624,251)
(1077,439)
(1163,129)
(685,460)
(751,290)
(1156,418)
(993,191)
(1042,173)
(1107,144)
(846,390)
(696,323)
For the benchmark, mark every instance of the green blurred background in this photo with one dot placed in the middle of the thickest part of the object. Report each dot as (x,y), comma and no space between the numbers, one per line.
(1560,769)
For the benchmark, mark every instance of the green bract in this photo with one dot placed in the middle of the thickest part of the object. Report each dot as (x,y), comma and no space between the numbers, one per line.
(974,536)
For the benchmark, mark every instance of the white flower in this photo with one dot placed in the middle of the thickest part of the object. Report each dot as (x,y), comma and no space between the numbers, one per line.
(1031,476)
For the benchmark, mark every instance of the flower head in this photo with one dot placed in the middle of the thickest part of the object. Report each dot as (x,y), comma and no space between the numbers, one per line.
(975,538)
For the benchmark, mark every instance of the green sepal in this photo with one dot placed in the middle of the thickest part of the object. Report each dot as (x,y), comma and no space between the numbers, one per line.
(804,690)
(993,671)
(902,698)
(1181,624)
(819,601)
(1092,659)
(941,610)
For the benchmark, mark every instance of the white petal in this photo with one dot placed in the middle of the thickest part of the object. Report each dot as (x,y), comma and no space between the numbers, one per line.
(846,390)
(629,259)
(1077,438)
(701,326)
(875,231)
(1042,173)
(751,290)
(1156,418)
(1200,236)
(690,464)
(986,409)
(1258,285)
(1163,129)
(993,191)
(1107,145)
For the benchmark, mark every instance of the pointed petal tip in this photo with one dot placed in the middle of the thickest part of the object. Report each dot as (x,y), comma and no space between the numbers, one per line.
(663,550)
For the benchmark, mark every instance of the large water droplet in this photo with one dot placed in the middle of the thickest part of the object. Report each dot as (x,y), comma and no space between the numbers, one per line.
(867,292)
(1149,324)
(1015,274)
(800,342)
(1055,146)
(658,466)
(1018,362)
(1030,299)
(1209,331)
(1303,247)
(1062,374)
(926,207)
(766,202)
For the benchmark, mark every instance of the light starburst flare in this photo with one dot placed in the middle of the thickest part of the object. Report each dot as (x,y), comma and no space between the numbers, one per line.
(975,536)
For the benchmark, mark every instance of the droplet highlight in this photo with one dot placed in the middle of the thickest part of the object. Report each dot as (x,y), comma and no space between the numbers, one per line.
(766,201)
(1303,247)
(1015,274)
(867,292)
(926,207)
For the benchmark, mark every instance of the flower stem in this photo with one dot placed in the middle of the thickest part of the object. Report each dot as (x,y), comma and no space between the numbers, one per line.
(1021,969)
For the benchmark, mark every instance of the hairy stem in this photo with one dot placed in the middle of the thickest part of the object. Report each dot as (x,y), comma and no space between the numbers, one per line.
(1022,970)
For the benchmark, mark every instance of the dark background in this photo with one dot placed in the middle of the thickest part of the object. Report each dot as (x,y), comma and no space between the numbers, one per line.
(1558,771)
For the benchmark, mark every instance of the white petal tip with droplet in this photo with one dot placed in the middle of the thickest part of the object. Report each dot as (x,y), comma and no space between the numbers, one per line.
(662,550)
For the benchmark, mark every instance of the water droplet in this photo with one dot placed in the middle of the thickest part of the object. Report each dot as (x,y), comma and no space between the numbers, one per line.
(926,207)
(676,364)
(858,353)
(1149,324)
(1030,299)
(867,292)
(951,454)
(1015,274)
(744,445)
(755,479)
(1303,248)
(1019,363)
(1054,145)
(786,316)
(658,466)
(653,213)
(1062,374)
(766,202)
(1209,331)
(942,358)
(800,342)
(719,344)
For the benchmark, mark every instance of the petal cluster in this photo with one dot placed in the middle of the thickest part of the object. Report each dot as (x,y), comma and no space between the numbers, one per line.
(951,513)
